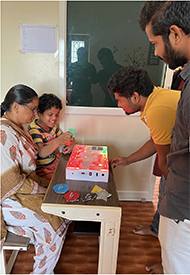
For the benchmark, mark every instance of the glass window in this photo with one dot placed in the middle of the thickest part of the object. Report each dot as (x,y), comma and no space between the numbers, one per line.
(102,37)
(75,45)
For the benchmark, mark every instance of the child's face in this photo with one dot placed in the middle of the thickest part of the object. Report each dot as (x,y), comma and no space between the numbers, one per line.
(50,117)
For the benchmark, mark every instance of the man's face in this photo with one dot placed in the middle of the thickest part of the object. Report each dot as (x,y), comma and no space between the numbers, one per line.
(126,104)
(173,57)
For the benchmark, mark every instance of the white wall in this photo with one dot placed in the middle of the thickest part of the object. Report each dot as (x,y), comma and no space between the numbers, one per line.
(120,133)
(40,71)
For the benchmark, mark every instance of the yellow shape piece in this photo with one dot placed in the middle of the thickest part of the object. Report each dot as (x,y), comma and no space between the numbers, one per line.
(96,189)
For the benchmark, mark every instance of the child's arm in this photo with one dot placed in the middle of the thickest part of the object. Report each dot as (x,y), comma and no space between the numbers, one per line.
(48,148)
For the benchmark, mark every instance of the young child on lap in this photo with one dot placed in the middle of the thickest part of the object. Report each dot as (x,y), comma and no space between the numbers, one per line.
(48,136)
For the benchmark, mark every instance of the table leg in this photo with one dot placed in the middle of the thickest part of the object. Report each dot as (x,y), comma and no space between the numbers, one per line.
(108,247)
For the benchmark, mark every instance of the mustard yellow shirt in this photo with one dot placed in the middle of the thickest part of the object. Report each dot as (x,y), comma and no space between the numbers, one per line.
(159,114)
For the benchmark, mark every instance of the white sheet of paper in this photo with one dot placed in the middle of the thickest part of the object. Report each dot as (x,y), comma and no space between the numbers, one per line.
(38,38)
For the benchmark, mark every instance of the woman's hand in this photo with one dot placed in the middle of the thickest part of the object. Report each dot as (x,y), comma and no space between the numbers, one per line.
(41,190)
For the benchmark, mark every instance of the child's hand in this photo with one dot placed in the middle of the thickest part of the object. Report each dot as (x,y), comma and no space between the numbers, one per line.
(66,138)
(69,139)
(68,149)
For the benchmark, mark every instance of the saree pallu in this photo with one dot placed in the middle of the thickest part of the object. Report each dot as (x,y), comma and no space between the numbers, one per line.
(18,178)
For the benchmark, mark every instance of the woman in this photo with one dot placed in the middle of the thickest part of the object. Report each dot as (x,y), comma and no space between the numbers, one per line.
(22,191)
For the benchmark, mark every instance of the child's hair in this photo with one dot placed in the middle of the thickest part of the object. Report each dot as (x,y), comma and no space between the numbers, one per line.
(48,101)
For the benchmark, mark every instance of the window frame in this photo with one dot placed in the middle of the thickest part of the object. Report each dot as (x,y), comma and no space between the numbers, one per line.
(107,111)
(76,37)
(73,110)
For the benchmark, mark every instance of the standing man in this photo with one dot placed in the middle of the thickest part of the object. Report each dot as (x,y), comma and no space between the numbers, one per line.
(81,74)
(167,25)
(135,92)
(109,67)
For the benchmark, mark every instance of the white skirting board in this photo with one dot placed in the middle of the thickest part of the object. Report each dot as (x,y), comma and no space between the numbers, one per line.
(134,195)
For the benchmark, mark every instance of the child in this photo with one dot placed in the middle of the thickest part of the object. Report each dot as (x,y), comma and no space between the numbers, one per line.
(48,136)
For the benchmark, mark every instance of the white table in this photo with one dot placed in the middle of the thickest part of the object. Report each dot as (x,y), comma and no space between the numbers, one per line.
(108,213)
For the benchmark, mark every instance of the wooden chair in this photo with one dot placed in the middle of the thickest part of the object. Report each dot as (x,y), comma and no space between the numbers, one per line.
(15,243)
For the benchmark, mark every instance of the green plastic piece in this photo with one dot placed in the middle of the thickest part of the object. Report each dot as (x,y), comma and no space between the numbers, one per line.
(72,131)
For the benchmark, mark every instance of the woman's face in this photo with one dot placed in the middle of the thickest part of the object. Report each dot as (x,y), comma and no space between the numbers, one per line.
(28,112)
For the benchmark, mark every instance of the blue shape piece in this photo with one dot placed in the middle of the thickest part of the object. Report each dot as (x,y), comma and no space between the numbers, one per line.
(61,188)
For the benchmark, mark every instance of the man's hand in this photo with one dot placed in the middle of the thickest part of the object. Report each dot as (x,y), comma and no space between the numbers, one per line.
(119,161)
(162,151)
(146,151)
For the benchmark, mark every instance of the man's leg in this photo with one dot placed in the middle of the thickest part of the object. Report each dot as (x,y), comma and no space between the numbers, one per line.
(152,230)
(154,227)
(155,223)
(174,239)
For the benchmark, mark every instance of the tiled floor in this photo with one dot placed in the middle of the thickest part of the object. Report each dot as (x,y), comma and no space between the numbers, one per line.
(80,253)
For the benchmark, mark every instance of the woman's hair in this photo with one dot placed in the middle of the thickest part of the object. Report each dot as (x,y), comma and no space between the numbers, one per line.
(48,101)
(21,94)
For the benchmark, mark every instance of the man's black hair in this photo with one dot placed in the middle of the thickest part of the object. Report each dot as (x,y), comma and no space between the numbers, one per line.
(148,11)
(131,79)
(164,14)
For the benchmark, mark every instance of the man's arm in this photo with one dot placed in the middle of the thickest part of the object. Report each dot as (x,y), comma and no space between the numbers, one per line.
(146,151)
(162,151)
